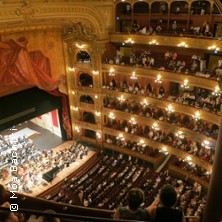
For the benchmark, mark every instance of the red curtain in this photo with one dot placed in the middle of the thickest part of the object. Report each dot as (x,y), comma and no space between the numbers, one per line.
(20,69)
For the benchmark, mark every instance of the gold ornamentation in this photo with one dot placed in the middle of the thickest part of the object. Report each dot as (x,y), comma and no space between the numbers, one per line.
(26,11)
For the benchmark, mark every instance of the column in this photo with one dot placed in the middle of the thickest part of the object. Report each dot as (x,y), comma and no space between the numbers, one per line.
(213,211)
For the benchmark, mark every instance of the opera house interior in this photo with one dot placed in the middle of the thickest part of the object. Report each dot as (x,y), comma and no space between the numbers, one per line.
(101,96)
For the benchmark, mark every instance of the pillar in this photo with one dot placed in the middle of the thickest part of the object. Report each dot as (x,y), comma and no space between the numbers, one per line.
(213,210)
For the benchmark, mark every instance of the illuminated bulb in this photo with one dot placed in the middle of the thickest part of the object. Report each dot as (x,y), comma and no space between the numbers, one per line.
(141,141)
(129,40)
(133,76)
(111,115)
(98,134)
(132,120)
(73,92)
(185,84)
(75,108)
(213,47)
(144,102)
(96,96)
(95,72)
(153,42)
(155,126)
(121,98)
(196,116)
(71,69)
(111,72)
(188,158)
(77,129)
(158,79)
(97,113)
(179,134)
(216,91)
(79,46)
(169,109)
(182,44)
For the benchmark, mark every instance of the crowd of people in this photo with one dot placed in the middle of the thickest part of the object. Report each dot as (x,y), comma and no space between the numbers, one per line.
(190,167)
(29,157)
(190,145)
(196,97)
(148,110)
(167,61)
(106,184)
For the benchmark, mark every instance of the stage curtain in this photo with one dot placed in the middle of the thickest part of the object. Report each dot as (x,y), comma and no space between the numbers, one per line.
(22,68)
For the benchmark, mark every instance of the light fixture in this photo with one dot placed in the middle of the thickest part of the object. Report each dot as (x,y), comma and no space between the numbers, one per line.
(132,120)
(153,42)
(144,103)
(111,115)
(96,97)
(121,98)
(206,144)
(98,134)
(142,141)
(155,126)
(73,93)
(164,150)
(79,46)
(75,108)
(71,69)
(129,40)
(179,134)
(189,160)
(213,47)
(111,72)
(216,91)
(77,129)
(133,76)
(97,113)
(182,44)
(185,84)
(158,79)
(121,137)
(95,72)
(196,116)
(169,109)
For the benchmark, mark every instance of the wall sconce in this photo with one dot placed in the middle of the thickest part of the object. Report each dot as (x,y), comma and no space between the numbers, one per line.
(196,116)
(158,79)
(97,113)
(132,120)
(129,40)
(213,47)
(185,84)
(153,42)
(98,135)
(179,134)
(189,160)
(155,126)
(206,144)
(77,129)
(169,109)
(133,76)
(95,72)
(96,97)
(75,108)
(121,98)
(71,69)
(164,150)
(111,72)
(79,46)
(182,44)
(73,93)
(144,103)
(216,91)
(121,137)
(111,115)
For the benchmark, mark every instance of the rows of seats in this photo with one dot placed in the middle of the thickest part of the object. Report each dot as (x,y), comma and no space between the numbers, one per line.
(107,183)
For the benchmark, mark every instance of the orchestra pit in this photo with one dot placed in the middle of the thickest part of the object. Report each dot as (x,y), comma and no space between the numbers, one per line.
(100,98)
